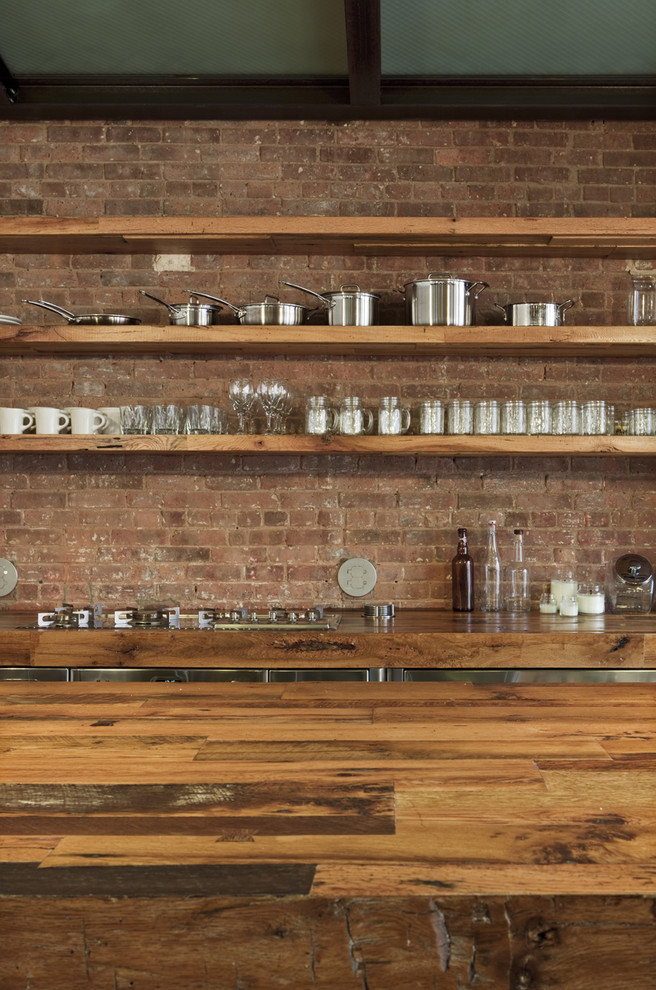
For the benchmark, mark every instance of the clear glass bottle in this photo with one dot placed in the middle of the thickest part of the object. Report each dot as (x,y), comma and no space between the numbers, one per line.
(517,576)
(491,596)
(462,574)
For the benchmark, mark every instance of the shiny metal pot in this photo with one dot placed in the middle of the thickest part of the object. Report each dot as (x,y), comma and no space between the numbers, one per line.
(88,319)
(441,300)
(271,312)
(539,314)
(348,307)
(191,314)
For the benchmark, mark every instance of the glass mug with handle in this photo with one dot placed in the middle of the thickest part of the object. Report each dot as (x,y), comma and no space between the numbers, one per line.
(393,418)
(354,419)
(15,420)
(321,417)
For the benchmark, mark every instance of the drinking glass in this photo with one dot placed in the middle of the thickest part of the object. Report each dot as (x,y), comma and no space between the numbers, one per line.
(538,417)
(513,416)
(596,418)
(204,419)
(166,419)
(486,416)
(460,416)
(393,418)
(242,396)
(565,418)
(642,301)
(642,421)
(135,419)
(354,419)
(276,402)
(321,417)
(431,416)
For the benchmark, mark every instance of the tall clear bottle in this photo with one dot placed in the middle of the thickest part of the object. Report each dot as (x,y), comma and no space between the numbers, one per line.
(462,575)
(491,599)
(517,578)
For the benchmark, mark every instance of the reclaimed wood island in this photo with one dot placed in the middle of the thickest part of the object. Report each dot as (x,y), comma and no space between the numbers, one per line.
(159,836)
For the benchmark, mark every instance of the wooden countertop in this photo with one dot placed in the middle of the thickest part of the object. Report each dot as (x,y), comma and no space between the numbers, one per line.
(327,790)
(414,638)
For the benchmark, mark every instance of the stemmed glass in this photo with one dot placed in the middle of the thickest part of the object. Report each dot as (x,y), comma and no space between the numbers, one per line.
(276,403)
(242,396)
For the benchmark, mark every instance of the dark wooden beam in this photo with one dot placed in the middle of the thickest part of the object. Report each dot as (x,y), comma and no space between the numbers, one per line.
(364,51)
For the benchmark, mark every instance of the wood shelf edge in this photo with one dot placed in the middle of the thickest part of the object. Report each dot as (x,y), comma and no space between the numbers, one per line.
(302,444)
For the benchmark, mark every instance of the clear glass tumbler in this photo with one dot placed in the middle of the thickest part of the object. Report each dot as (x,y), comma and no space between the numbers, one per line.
(431,416)
(459,416)
(538,417)
(486,417)
(566,418)
(513,416)
(642,301)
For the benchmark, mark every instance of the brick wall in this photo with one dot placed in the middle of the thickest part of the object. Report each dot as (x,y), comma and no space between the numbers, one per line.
(215,528)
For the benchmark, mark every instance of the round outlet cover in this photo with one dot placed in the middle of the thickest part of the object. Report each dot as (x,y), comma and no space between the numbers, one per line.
(357,577)
(8,577)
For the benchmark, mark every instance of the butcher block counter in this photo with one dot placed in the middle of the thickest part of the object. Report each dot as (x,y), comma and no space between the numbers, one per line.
(413,638)
(159,836)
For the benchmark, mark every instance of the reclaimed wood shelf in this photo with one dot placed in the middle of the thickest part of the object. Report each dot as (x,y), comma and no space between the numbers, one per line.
(601,237)
(298,443)
(499,341)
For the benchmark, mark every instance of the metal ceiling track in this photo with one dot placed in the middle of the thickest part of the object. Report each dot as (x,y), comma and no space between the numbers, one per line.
(364,94)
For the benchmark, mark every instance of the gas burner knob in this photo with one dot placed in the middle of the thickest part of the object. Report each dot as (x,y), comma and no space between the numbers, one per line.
(278,614)
(313,614)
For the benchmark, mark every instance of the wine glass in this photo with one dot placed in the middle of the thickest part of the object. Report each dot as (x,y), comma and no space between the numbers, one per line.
(276,403)
(242,396)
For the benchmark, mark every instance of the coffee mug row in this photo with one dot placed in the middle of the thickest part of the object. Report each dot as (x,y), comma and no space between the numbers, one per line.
(47,419)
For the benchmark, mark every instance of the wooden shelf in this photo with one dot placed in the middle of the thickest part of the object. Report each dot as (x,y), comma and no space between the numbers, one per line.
(600,237)
(499,341)
(447,446)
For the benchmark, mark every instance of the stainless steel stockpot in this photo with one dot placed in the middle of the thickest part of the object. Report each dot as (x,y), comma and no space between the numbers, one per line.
(441,300)
(350,306)
(537,314)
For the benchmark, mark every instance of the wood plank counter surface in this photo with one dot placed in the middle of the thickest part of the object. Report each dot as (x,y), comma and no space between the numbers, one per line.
(414,638)
(331,835)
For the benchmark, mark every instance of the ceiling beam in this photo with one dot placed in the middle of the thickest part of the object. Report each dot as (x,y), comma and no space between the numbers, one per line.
(364,51)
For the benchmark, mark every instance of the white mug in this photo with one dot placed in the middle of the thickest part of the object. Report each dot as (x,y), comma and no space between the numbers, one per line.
(85,420)
(113,414)
(49,420)
(15,420)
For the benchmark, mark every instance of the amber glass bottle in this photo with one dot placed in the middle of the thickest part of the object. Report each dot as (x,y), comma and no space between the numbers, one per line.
(462,574)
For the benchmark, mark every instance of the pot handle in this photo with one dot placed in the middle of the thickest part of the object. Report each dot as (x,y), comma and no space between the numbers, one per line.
(52,306)
(503,310)
(172,309)
(292,285)
(235,309)
(563,307)
(483,285)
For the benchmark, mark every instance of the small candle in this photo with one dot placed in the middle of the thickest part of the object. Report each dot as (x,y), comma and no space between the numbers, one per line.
(569,605)
(548,604)
(592,600)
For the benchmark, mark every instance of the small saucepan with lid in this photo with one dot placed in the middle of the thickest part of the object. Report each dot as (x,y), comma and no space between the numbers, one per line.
(191,314)
(87,319)
(271,312)
(535,314)
(350,306)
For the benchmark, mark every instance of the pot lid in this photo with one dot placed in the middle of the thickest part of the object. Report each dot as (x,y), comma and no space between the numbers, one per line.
(631,568)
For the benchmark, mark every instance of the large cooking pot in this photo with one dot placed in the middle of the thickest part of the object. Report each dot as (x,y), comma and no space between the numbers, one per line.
(271,312)
(349,307)
(191,314)
(88,319)
(538,314)
(441,300)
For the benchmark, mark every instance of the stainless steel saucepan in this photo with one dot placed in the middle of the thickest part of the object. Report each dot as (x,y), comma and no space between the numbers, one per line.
(88,319)
(191,314)
(442,300)
(349,307)
(537,314)
(272,312)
